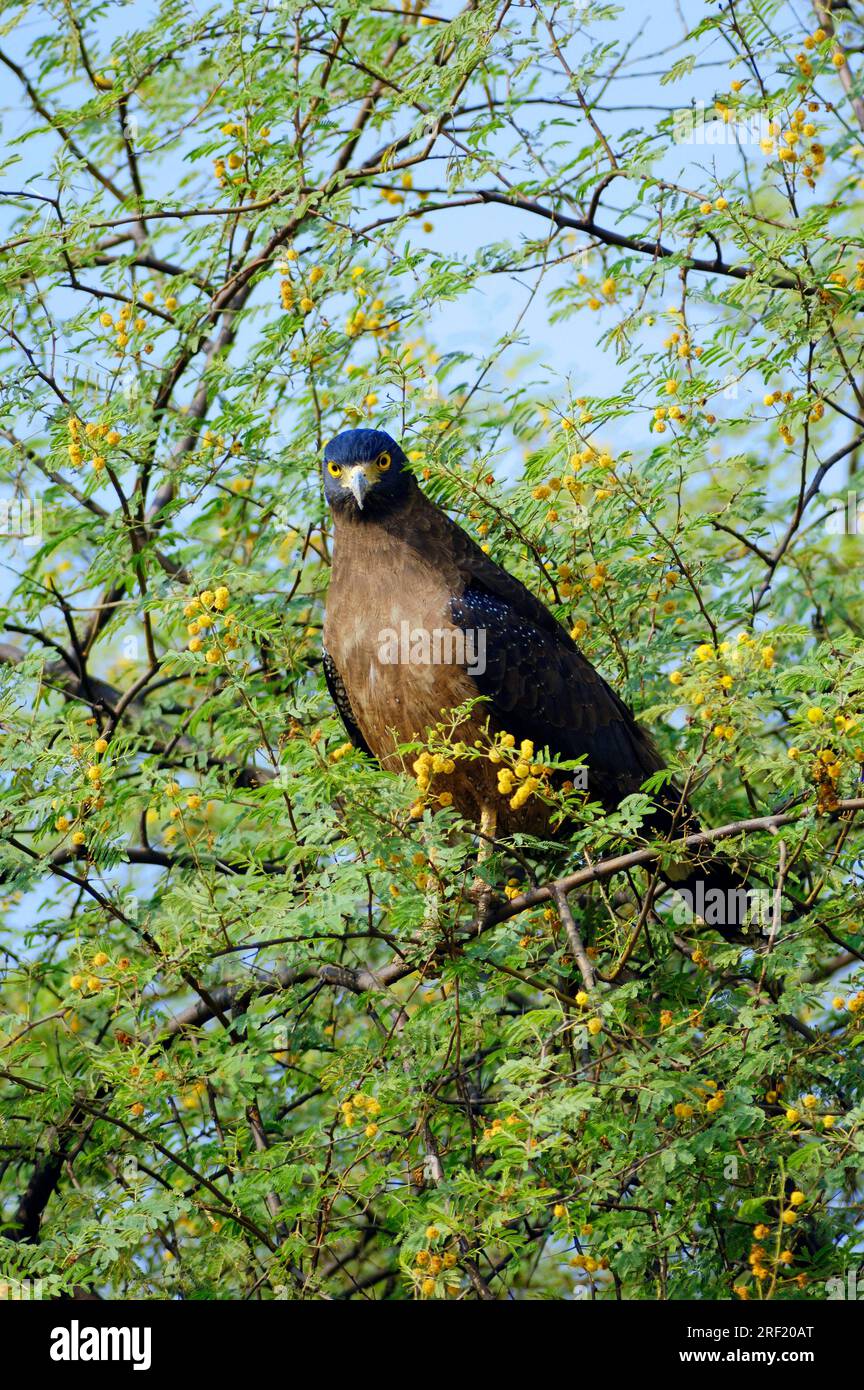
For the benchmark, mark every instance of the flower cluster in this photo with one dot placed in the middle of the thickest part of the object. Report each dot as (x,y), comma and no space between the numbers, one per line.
(358,1107)
(709,1094)
(233,163)
(209,616)
(426,767)
(93,769)
(596,293)
(92,983)
(519,776)
(90,438)
(432,1262)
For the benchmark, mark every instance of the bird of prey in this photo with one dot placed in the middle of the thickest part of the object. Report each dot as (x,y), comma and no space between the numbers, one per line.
(401,565)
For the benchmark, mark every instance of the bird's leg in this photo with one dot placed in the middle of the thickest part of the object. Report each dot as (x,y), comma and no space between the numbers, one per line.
(480,891)
(432,899)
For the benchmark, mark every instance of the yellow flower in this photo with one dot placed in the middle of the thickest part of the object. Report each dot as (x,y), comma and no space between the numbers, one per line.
(594,1026)
(797,1198)
(815,715)
(704,652)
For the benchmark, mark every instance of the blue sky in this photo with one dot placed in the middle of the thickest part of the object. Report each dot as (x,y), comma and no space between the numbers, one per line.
(473,323)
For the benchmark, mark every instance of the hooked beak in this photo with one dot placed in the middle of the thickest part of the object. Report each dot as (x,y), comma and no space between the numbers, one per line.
(358,482)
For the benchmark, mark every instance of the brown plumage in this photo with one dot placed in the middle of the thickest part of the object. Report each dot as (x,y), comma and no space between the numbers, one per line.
(400,560)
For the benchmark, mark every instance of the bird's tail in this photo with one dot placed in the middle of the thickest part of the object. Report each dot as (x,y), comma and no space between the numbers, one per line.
(712,891)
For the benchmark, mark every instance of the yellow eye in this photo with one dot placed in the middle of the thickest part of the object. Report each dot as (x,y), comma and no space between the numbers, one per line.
(383,462)
(334,469)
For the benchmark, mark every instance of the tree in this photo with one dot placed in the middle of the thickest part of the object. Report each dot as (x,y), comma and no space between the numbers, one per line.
(256,1039)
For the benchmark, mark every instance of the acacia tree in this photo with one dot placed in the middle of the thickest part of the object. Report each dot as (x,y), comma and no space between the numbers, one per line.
(240,1056)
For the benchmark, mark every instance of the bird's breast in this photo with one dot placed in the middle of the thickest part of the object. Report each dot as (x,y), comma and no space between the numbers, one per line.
(389,632)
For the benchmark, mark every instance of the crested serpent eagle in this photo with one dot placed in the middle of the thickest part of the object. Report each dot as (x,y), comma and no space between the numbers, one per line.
(401,565)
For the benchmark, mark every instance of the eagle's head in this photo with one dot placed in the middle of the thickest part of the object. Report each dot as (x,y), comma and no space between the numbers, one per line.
(364,471)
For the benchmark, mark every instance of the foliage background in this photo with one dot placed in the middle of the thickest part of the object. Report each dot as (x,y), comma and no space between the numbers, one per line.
(237,1058)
